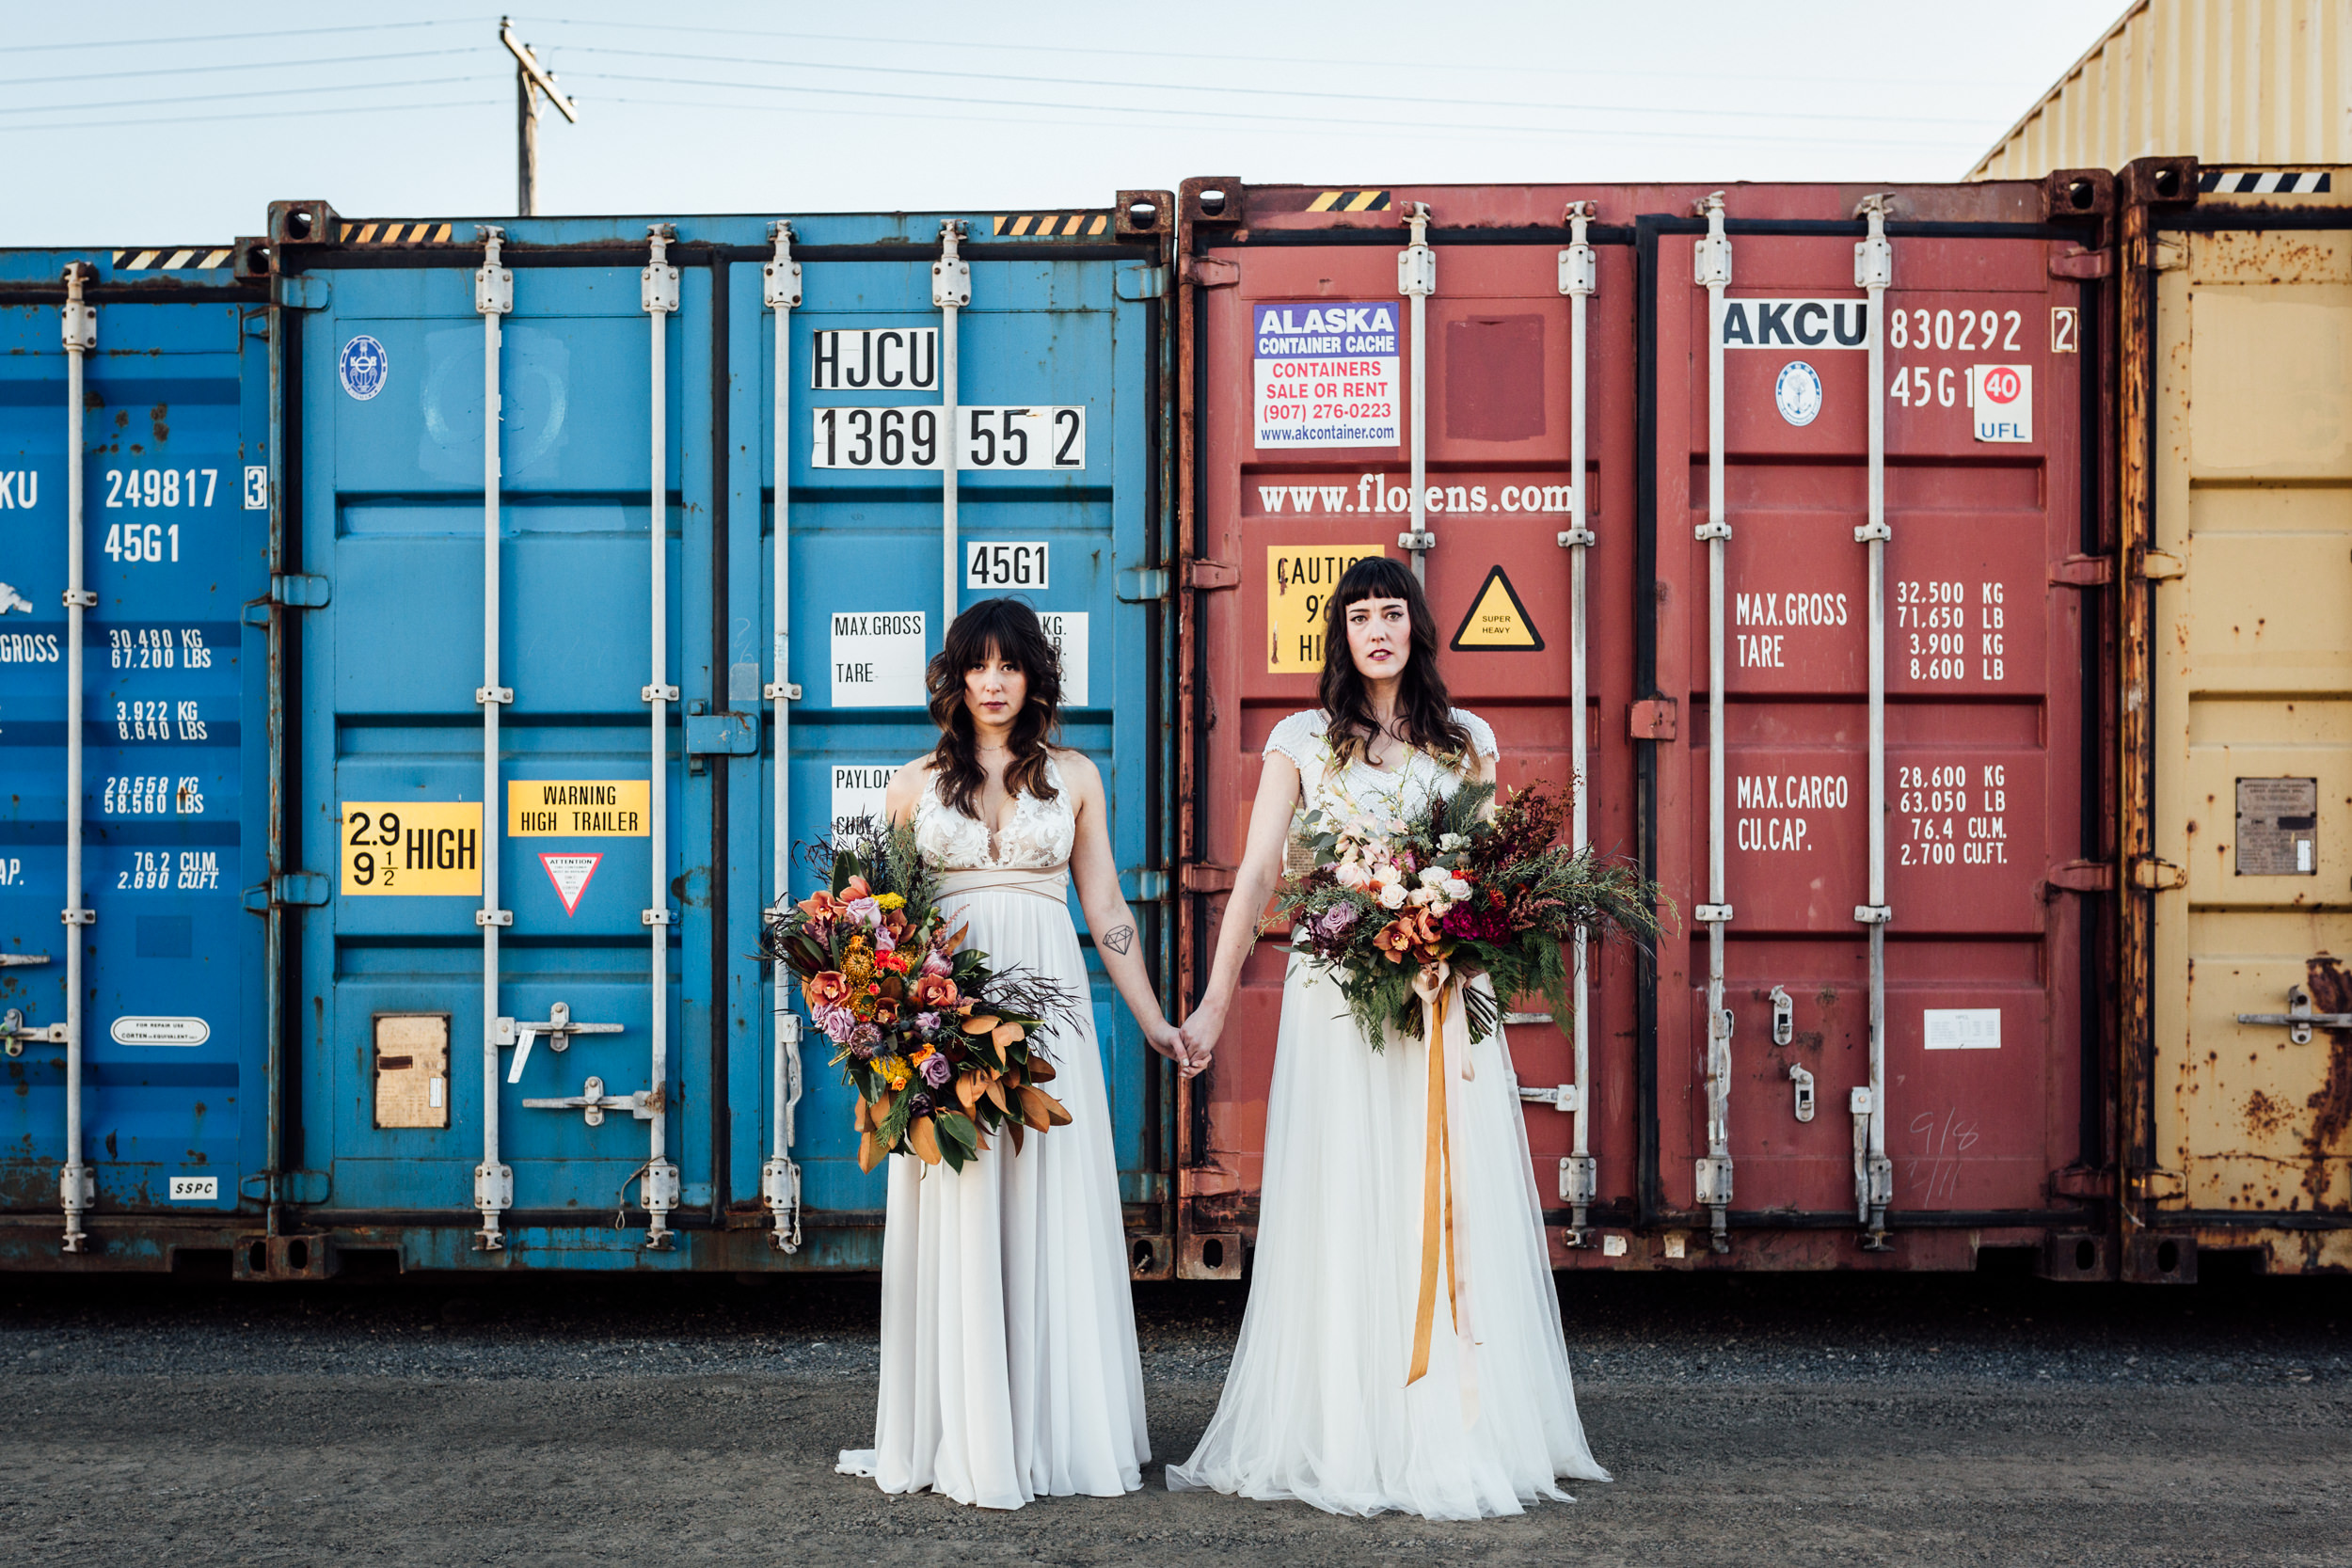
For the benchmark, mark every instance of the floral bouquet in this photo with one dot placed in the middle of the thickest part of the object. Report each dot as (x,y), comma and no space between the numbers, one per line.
(939,1042)
(1449,891)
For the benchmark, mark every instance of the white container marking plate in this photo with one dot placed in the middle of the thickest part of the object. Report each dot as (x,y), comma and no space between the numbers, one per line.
(161,1031)
(1963,1028)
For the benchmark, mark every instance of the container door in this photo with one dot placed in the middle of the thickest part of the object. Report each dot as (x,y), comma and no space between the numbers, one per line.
(2248,889)
(1059,357)
(1303,343)
(1774,1114)
(507,940)
(169,1088)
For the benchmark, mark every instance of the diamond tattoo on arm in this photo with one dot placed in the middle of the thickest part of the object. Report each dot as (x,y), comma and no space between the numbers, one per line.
(1120,939)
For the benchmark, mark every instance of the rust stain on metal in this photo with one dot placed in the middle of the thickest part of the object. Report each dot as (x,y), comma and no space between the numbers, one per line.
(158,416)
(2331,992)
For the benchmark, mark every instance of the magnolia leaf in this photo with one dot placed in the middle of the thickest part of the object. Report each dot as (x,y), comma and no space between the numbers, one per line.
(1040,1071)
(871,1151)
(922,1140)
(982,1023)
(1042,1110)
(970,1086)
(1009,1034)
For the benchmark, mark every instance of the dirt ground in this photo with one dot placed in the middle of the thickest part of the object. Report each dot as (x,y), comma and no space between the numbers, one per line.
(1763,1421)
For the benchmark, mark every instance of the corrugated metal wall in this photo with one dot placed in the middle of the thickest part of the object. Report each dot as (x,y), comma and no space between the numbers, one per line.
(2229,81)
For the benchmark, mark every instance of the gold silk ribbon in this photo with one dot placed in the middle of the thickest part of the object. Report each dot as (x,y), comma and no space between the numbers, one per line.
(1445,1031)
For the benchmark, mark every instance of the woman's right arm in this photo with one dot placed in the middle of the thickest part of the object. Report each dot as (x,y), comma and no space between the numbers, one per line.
(1254,883)
(906,791)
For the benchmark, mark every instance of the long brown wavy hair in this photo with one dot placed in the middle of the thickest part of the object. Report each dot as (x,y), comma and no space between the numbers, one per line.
(1424,711)
(1009,630)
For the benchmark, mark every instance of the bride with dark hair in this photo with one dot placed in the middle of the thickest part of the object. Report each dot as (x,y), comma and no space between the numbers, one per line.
(1320,1403)
(1009,1363)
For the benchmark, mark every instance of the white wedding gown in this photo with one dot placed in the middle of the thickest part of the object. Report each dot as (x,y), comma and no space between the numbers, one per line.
(1316,1407)
(1008,1365)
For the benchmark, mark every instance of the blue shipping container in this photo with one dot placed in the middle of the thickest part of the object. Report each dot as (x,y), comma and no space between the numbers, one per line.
(159,361)
(523,1020)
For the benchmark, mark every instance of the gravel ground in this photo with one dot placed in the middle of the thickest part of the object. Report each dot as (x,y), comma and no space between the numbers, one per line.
(1757,1420)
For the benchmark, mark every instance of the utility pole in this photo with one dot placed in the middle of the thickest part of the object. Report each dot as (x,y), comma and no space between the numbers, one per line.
(530,80)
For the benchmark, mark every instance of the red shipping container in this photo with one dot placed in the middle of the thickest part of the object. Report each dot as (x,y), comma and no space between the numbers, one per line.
(1298,351)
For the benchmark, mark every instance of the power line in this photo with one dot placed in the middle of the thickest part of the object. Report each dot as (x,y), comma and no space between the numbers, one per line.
(234,38)
(243,64)
(1744,138)
(1286,92)
(286,114)
(2019,84)
(1224,114)
(218,97)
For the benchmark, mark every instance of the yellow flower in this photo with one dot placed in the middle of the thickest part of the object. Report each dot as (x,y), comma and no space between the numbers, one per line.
(890,901)
(895,1070)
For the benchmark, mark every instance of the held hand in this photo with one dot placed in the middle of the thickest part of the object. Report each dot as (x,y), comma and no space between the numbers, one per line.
(1169,1040)
(1200,1032)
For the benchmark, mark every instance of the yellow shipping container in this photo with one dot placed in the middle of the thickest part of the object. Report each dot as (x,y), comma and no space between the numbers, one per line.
(2223,80)
(2236,821)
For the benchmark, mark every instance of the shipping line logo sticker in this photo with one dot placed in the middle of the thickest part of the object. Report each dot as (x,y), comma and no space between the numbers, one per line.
(1326,374)
(363,365)
(1798,393)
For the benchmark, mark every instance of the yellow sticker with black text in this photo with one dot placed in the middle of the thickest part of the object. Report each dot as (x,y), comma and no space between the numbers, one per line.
(1497,622)
(578,808)
(1298,582)
(411,849)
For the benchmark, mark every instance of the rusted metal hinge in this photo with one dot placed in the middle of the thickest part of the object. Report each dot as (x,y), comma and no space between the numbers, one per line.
(1202,576)
(1201,877)
(2071,261)
(2156,875)
(2156,566)
(1210,272)
(2083,571)
(1652,719)
(2082,1181)
(2082,877)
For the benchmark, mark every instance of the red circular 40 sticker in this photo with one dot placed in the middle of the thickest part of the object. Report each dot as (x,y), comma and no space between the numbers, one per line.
(2001,383)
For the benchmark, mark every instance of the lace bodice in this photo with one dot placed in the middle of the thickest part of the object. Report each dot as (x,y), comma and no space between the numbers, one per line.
(1037,836)
(1359,785)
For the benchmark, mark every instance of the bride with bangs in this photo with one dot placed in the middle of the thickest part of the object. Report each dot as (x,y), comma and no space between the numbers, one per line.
(1328,1400)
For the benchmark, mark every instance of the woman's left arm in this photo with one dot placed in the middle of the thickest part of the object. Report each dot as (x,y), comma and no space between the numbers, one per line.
(1095,871)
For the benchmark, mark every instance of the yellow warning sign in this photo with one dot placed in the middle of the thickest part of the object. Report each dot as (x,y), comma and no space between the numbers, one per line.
(1299,579)
(412,849)
(578,808)
(1497,622)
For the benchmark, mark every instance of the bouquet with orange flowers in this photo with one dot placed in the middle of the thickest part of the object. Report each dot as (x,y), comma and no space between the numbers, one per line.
(1452,888)
(940,1043)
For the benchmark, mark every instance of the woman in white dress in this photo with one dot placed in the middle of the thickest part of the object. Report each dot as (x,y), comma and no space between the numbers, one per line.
(1009,1366)
(1317,1405)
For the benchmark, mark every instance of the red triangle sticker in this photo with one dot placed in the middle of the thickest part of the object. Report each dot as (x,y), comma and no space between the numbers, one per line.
(570,874)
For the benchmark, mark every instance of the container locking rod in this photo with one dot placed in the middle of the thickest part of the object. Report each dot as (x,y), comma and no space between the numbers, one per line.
(1417,280)
(76,1183)
(1712,270)
(493,1182)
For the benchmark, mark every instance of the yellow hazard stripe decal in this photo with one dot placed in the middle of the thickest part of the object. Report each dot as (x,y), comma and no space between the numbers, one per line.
(400,232)
(1350,201)
(172,258)
(1049,226)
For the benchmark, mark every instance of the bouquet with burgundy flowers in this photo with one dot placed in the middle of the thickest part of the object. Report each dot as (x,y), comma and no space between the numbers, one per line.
(1451,886)
(939,1042)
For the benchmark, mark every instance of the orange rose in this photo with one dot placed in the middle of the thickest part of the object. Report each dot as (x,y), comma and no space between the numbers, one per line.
(933,992)
(829,989)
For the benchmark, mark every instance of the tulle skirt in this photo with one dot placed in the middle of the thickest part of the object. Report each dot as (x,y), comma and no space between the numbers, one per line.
(1008,1364)
(1316,1406)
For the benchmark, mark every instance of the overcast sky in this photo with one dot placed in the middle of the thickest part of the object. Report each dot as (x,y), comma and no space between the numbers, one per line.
(146,122)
